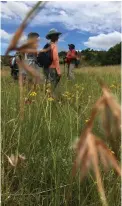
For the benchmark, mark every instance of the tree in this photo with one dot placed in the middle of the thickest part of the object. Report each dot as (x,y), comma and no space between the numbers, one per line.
(110,57)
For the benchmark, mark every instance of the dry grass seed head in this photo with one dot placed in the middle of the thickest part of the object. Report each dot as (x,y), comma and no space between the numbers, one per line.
(15,160)
(18,33)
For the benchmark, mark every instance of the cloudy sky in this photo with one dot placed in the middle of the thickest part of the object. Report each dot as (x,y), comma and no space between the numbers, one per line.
(93,24)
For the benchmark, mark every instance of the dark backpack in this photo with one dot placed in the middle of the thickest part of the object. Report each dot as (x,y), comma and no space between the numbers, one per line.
(44,59)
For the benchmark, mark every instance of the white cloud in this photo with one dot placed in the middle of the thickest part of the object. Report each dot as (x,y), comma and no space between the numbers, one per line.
(63,37)
(93,17)
(4,35)
(103,41)
(16,10)
(6,38)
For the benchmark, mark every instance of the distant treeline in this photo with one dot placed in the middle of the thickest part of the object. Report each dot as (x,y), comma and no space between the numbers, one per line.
(89,56)
(5,60)
(93,57)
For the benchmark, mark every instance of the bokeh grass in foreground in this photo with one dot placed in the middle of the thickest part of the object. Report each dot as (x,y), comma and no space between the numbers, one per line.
(45,137)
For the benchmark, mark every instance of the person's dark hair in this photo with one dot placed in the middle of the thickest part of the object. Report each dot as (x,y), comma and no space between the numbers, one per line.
(33,34)
(71,46)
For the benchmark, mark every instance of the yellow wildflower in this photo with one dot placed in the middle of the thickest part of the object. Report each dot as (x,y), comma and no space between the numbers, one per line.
(50,99)
(33,94)
(112,86)
(86,120)
(68,98)
(66,94)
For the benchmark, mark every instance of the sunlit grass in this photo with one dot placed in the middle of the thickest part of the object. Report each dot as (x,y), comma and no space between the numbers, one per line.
(45,138)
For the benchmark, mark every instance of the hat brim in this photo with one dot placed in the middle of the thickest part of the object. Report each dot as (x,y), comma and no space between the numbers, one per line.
(48,36)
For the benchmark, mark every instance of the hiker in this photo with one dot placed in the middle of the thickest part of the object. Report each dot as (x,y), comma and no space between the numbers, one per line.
(31,60)
(14,68)
(71,61)
(51,65)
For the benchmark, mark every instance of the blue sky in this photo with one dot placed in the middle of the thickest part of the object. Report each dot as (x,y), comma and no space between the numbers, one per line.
(93,24)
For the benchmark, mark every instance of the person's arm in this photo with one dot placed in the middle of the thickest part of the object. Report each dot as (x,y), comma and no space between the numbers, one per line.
(71,55)
(45,50)
(56,59)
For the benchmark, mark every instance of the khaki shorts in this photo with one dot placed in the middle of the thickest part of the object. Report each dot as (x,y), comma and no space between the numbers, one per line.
(31,63)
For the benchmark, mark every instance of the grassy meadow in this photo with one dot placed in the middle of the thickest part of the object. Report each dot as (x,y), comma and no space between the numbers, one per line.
(45,137)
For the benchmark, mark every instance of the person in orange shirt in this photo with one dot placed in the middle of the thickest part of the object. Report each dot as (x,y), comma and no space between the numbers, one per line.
(53,73)
(71,61)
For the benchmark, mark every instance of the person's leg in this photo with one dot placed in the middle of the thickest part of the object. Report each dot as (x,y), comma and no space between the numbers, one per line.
(71,73)
(57,79)
(15,75)
(54,79)
(24,76)
(37,79)
(11,71)
(33,80)
(68,66)
(46,76)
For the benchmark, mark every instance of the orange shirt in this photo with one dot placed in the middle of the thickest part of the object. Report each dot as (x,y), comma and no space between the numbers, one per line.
(55,58)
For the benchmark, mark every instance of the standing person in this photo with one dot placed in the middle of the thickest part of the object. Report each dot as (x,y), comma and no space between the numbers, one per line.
(53,73)
(71,61)
(31,59)
(14,67)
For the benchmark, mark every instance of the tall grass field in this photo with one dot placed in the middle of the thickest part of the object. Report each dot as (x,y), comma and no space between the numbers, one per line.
(45,137)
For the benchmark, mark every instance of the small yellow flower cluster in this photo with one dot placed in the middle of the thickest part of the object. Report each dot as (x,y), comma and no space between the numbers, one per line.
(77,86)
(68,95)
(50,99)
(113,86)
(33,94)
(87,120)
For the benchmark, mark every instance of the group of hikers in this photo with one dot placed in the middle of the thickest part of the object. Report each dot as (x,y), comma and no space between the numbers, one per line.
(47,59)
